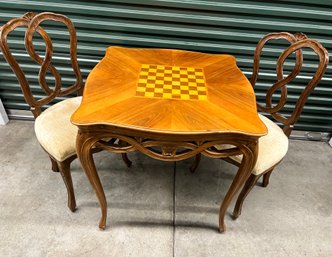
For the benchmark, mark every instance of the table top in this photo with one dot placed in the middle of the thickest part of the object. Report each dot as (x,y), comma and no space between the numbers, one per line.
(169,91)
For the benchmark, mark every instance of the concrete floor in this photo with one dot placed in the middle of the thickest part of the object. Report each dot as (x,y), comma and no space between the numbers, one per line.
(292,217)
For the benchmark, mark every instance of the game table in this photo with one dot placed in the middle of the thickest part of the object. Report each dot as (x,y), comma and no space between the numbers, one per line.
(170,105)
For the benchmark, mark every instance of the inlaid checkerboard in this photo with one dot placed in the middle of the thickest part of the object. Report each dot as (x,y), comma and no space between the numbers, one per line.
(171,82)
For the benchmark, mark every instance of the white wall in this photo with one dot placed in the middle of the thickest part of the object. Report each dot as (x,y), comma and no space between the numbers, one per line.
(3,115)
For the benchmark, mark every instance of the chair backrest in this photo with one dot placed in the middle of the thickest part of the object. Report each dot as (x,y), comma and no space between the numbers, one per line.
(31,21)
(297,42)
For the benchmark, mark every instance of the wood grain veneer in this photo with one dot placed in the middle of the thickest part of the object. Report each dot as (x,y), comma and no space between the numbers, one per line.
(110,95)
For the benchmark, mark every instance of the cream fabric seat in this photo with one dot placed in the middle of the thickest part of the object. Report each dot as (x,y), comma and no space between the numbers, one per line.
(55,132)
(271,147)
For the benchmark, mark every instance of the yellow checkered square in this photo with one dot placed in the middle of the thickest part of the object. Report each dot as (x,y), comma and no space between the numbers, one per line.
(171,82)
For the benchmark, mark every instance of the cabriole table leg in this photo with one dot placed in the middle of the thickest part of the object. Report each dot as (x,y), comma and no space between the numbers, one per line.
(84,144)
(248,163)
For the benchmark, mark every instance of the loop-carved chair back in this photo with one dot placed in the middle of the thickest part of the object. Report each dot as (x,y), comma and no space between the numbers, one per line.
(297,42)
(31,22)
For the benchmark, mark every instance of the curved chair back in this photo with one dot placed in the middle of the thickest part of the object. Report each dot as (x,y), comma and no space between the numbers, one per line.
(297,42)
(32,21)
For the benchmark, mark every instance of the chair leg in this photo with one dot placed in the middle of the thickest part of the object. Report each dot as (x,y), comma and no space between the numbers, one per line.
(250,183)
(124,155)
(64,168)
(126,159)
(266,178)
(195,164)
(55,167)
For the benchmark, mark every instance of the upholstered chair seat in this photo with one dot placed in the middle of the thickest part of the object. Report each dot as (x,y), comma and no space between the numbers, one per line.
(271,148)
(54,131)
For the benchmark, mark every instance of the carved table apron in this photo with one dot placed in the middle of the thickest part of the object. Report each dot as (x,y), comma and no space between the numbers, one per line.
(92,136)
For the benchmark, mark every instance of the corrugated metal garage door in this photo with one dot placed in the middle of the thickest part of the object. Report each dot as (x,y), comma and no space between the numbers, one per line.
(229,26)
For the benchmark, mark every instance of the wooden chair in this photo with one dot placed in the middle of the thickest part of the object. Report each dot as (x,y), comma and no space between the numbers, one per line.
(273,147)
(53,128)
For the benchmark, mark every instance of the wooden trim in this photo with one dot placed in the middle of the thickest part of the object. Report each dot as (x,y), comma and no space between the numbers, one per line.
(298,42)
(87,139)
(31,21)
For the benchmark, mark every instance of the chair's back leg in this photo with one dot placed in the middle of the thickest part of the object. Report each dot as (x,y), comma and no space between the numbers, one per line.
(195,164)
(126,159)
(124,155)
(266,177)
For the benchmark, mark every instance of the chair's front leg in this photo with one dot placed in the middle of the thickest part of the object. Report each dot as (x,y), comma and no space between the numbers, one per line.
(55,166)
(64,168)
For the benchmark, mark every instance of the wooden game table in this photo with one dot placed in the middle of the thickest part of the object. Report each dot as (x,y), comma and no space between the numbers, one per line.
(170,105)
